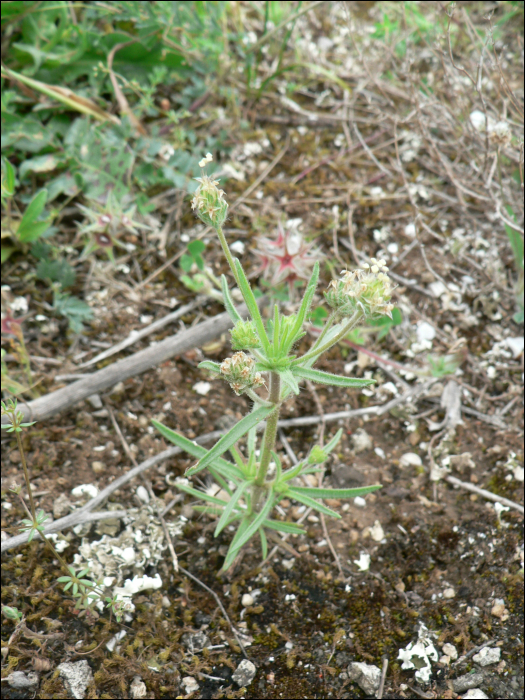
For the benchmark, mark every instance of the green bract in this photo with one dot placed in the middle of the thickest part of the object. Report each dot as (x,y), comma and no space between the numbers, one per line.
(254,482)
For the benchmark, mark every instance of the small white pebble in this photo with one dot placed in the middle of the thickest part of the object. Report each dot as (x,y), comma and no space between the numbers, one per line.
(246,600)
(202,388)
(449,593)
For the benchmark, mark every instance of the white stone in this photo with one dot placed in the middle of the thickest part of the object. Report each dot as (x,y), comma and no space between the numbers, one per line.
(190,684)
(376,532)
(238,247)
(425,331)
(142,494)
(450,650)
(449,593)
(363,563)
(202,388)
(360,502)
(410,459)
(474,694)
(515,345)
(247,600)
(367,676)
(487,656)
(78,676)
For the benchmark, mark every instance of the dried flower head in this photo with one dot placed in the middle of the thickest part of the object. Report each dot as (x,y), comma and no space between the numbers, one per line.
(368,289)
(287,257)
(208,201)
(239,371)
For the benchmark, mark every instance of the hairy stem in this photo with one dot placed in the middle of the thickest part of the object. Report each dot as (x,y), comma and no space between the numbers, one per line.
(323,348)
(270,432)
(227,253)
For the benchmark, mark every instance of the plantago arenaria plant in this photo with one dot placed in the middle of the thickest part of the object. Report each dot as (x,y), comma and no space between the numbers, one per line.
(249,492)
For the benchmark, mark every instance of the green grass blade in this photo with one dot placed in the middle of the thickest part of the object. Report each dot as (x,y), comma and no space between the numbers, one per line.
(303,498)
(251,303)
(231,438)
(229,508)
(316,375)
(335,493)
(228,303)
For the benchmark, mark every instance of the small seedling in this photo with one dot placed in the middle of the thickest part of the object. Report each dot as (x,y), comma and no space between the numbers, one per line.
(255,482)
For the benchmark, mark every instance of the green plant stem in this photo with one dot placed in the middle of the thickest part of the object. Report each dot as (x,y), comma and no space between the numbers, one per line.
(227,253)
(270,432)
(26,475)
(319,350)
(325,330)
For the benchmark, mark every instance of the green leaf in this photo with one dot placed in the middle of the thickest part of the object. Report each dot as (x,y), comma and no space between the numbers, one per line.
(249,299)
(228,303)
(196,248)
(316,375)
(284,526)
(227,469)
(304,498)
(305,305)
(32,231)
(241,538)
(291,473)
(229,508)
(264,543)
(34,209)
(186,262)
(7,251)
(200,494)
(333,442)
(231,437)
(9,184)
(335,493)
(291,382)
(210,365)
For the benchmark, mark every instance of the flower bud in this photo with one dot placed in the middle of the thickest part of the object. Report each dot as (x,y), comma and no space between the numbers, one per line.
(239,371)
(244,336)
(208,201)
(368,289)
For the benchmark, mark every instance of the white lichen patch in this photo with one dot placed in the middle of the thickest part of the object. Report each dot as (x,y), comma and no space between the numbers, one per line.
(126,556)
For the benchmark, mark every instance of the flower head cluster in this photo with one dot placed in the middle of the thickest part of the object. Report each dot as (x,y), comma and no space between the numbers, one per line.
(368,289)
(244,336)
(239,371)
(208,201)
(287,257)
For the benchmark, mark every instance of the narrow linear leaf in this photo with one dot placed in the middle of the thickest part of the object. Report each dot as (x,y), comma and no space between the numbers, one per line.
(202,495)
(232,551)
(333,442)
(264,543)
(218,478)
(227,469)
(240,540)
(336,493)
(228,303)
(290,381)
(283,526)
(303,498)
(316,375)
(307,300)
(229,508)
(211,366)
(231,438)
(251,303)
(292,472)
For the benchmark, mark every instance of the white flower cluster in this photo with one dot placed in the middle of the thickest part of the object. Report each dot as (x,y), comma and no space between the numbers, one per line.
(239,371)
(368,288)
